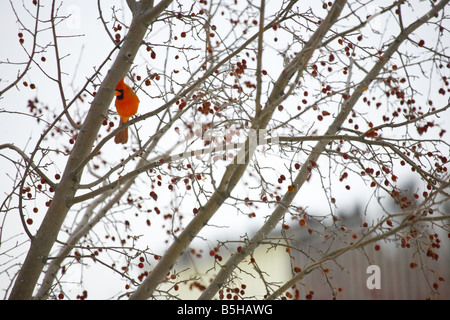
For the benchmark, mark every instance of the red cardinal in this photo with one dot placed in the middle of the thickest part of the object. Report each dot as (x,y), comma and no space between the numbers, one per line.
(127,104)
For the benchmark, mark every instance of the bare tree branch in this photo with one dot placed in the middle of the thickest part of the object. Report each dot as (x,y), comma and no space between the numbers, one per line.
(58,209)
(243,105)
(280,210)
(233,172)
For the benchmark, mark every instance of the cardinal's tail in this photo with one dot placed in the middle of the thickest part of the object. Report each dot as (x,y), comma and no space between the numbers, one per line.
(122,136)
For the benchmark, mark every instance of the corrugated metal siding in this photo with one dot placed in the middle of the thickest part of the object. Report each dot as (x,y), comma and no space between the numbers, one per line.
(398,280)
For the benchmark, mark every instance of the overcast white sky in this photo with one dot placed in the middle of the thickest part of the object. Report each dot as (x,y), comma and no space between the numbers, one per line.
(83,54)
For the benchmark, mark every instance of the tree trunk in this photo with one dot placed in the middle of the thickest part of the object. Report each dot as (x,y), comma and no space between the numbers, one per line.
(47,234)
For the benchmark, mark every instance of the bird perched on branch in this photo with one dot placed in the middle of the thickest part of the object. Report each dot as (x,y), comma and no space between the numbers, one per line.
(127,103)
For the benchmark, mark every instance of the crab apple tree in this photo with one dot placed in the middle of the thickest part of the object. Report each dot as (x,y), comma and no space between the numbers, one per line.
(259,122)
